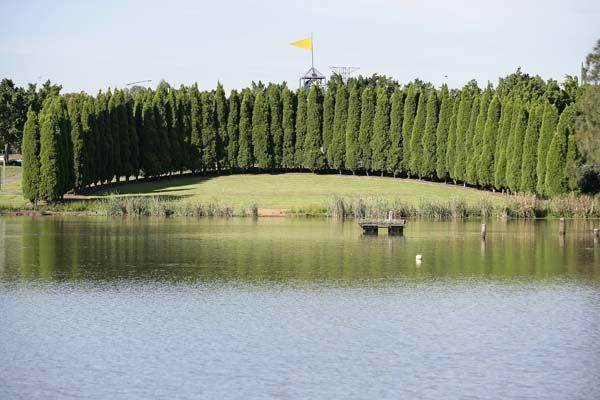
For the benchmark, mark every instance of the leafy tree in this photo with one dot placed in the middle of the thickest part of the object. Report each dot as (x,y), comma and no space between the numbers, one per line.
(314,157)
(515,146)
(547,129)
(30,178)
(591,70)
(557,154)
(209,131)
(529,161)
(365,133)
(416,138)
(486,161)
(337,149)
(410,110)
(328,116)
(261,138)
(222,136)
(288,126)
(502,150)
(352,129)
(195,162)
(300,126)
(395,152)
(276,129)
(233,129)
(245,152)
(441,134)
(451,144)
(380,143)
(587,137)
(13,113)
(477,143)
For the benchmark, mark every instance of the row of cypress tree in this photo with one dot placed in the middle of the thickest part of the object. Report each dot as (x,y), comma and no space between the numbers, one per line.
(504,139)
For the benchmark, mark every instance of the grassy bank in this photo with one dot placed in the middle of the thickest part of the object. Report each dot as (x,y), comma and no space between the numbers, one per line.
(304,194)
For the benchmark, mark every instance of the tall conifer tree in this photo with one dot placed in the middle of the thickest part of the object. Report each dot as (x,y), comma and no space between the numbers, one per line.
(328,116)
(245,152)
(288,126)
(261,138)
(300,127)
(150,144)
(410,110)
(233,128)
(428,155)
(478,134)
(501,153)
(416,138)
(352,129)
(547,129)
(209,131)
(367,113)
(462,126)
(396,116)
(30,178)
(222,136)
(485,164)
(276,129)
(451,145)
(337,149)
(195,162)
(441,134)
(557,154)
(471,133)
(529,159)
(314,157)
(380,142)
(517,136)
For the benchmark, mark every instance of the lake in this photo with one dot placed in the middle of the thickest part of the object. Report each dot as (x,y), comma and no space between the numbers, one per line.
(296,308)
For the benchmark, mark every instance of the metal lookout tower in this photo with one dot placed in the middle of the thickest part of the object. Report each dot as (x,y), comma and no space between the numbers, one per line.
(312,76)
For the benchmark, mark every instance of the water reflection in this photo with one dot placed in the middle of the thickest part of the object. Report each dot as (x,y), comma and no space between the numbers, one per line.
(58,248)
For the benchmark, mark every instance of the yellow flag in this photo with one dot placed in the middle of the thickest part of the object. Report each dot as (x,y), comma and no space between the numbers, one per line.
(305,44)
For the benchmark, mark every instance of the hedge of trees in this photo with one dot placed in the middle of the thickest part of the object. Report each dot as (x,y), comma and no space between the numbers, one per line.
(516,137)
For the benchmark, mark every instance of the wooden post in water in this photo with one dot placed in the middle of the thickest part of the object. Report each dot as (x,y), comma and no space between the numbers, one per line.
(483,231)
(561,227)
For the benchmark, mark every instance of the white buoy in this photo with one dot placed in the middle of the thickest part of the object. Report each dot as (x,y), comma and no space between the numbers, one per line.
(418,257)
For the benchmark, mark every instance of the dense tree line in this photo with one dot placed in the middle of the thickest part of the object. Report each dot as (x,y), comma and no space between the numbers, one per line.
(517,137)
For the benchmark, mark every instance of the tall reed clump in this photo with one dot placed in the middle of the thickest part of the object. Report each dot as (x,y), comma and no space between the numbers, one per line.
(156,206)
(574,206)
(523,206)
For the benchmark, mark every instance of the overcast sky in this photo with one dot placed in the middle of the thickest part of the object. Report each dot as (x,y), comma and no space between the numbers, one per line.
(91,45)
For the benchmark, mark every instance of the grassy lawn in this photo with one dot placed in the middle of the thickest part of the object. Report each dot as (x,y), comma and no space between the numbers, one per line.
(11,195)
(297,190)
(282,191)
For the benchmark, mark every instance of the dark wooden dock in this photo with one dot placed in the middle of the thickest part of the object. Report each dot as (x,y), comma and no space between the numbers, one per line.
(395,227)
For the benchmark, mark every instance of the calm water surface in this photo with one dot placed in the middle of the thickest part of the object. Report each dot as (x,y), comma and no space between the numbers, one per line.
(101,308)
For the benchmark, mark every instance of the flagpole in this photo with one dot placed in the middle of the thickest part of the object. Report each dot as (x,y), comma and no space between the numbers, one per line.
(312,51)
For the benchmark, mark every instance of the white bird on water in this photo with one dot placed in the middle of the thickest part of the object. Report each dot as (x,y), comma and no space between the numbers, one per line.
(418,257)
